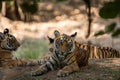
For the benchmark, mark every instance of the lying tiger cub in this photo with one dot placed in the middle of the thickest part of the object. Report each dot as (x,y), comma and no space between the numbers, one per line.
(66,56)
(69,56)
(8,43)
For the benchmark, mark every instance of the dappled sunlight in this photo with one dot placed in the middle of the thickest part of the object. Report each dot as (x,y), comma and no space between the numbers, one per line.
(67,17)
(42,29)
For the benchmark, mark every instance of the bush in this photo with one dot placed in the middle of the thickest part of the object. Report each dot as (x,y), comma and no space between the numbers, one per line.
(32,49)
(110,10)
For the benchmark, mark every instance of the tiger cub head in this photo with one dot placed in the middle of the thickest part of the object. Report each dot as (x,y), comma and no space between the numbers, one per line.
(62,44)
(8,41)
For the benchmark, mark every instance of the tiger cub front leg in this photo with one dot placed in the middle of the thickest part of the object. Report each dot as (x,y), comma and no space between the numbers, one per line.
(65,71)
(48,66)
(41,70)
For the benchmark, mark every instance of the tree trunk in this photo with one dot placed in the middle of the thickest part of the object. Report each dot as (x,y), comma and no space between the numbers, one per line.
(3,9)
(89,14)
(16,9)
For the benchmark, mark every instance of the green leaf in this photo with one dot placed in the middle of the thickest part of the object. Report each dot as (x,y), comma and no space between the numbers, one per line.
(116,33)
(110,10)
(99,33)
(110,28)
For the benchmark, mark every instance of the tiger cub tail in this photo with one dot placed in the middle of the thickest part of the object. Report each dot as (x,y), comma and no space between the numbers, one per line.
(103,52)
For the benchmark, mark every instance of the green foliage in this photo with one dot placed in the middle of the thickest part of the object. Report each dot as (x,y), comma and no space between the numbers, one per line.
(110,10)
(99,33)
(116,33)
(110,28)
(32,49)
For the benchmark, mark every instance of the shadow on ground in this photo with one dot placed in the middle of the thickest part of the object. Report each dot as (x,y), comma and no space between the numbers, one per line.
(102,69)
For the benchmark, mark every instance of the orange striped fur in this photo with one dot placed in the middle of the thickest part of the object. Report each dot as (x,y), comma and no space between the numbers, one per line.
(68,55)
(8,43)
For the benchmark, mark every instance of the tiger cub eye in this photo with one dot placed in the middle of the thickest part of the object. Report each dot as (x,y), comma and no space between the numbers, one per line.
(51,49)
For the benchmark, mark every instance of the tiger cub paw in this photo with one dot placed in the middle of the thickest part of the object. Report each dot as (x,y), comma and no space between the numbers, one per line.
(62,73)
(37,73)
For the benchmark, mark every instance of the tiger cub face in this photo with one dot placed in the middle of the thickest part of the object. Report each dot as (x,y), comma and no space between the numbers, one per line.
(8,41)
(62,44)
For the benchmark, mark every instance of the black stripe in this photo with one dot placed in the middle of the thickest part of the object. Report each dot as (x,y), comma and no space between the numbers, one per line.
(115,53)
(51,64)
(48,67)
(98,52)
(56,54)
(54,58)
(72,62)
(69,57)
(103,53)
(107,51)
(55,61)
(88,48)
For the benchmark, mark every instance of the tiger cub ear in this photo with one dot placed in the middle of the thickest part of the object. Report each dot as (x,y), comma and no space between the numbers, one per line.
(73,35)
(51,40)
(6,31)
(56,33)
(1,36)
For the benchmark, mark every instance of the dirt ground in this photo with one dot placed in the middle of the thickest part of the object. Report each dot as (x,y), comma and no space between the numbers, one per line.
(73,20)
(102,69)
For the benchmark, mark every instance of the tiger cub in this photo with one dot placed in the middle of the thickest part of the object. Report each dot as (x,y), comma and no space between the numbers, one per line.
(8,43)
(94,51)
(66,56)
(69,55)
